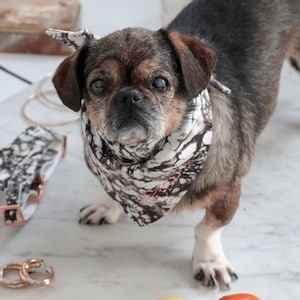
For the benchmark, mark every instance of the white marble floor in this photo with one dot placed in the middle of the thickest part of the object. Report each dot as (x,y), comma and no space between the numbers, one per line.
(127,262)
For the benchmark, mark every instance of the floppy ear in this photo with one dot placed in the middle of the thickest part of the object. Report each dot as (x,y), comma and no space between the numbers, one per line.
(68,81)
(197,61)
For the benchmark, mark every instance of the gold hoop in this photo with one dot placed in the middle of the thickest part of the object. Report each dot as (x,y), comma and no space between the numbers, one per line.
(43,94)
(12,284)
(26,270)
(29,120)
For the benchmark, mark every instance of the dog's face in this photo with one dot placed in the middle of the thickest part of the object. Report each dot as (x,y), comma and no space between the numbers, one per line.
(135,82)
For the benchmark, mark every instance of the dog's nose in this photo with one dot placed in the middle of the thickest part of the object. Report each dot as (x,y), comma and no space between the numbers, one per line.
(130,96)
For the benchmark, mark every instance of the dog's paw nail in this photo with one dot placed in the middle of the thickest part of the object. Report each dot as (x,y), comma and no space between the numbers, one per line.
(211,282)
(200,275)
(88,222)
(80,221)
(103,221)
(227,286)
(83,208)
(233,276)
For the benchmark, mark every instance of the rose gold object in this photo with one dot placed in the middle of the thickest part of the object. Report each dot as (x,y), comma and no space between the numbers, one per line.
(38,185)
(27,270)
(14,284)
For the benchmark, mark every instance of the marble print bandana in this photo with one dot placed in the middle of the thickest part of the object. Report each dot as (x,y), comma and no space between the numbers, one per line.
(148,180)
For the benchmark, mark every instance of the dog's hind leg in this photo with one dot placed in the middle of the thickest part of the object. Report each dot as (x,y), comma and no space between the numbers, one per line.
(210,265)
(293,52)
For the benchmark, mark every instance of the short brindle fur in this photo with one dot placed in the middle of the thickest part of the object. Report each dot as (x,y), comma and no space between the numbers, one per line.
(243,45)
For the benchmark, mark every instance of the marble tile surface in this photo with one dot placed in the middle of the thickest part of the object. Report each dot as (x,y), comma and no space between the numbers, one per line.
(126,262)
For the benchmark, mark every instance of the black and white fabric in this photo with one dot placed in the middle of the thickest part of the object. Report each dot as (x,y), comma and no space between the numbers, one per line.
(24,166)
(72,39)
(148,180)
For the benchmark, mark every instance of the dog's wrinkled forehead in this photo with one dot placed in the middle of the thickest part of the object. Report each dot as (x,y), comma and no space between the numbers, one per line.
(130,47)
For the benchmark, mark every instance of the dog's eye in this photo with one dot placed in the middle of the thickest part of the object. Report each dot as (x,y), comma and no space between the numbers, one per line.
(160,83)
(98,86)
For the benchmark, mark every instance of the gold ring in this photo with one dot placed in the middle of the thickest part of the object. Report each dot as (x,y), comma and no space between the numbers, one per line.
(26,271)
(16,283)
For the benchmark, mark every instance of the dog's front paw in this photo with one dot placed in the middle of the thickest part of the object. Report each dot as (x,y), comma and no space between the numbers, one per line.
(210,265)
(99,213)
(214,274)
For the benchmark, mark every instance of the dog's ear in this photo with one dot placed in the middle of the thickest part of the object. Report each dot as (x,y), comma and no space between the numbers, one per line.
(197,61)
(68,80)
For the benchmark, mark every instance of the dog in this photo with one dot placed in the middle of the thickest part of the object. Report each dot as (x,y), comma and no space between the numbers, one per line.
(137,87)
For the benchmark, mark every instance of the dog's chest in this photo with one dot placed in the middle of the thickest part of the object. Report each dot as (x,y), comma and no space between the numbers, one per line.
(148,189)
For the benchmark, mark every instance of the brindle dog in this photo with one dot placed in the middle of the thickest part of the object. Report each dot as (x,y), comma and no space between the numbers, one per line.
(243,45)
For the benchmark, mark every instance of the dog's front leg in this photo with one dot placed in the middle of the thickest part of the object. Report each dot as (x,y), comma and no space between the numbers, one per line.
(210,265)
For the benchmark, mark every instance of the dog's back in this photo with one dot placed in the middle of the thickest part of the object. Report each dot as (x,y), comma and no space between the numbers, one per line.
(237,29)
(251,39)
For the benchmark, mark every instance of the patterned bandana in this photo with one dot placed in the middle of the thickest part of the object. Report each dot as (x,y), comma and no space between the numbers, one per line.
(148,180)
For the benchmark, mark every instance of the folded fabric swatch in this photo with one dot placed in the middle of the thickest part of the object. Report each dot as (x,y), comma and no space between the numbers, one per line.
(25,167)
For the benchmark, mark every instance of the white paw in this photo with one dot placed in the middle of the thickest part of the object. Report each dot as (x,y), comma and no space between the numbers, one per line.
(210,266)
(214,274)
(106,211)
